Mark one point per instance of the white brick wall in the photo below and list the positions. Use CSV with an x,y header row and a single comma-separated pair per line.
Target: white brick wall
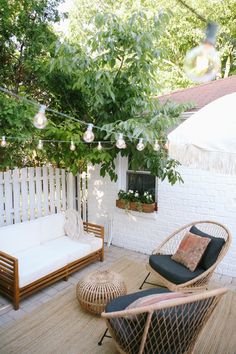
x,y
203,196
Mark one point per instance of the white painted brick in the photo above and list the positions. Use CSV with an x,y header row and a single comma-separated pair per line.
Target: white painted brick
x,y
203,195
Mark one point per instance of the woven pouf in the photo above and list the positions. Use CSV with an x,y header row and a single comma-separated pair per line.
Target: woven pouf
x,y
98,288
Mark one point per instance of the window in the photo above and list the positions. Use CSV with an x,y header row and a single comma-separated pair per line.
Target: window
x,y
142,181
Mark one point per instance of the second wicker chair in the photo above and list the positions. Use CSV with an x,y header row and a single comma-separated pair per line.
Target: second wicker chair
x,y
175,276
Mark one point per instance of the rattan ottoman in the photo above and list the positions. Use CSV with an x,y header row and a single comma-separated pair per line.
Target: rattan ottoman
x,y
98,288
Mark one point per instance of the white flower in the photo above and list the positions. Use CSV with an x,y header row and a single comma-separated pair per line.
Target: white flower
x,y
136,194
145,193
130,191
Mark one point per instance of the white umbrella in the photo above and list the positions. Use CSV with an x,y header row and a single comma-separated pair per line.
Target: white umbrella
x,y
207,140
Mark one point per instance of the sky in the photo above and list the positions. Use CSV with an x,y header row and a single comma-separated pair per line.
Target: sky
x,y
62,26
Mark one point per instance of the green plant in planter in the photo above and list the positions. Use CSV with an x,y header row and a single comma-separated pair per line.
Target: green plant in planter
x,y
135,197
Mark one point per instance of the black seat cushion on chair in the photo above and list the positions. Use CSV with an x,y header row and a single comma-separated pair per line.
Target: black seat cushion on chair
x,y
213,249
171,270
121,302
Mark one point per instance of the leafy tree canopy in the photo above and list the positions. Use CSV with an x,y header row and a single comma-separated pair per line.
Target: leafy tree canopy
x,y
107,73
183,31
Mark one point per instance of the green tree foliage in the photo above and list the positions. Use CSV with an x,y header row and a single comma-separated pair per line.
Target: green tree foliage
x,y
183,31
115,74
108,79
26,42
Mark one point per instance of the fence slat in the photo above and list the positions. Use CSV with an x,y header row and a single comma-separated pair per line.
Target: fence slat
x,y
79,192
70,191
16,195
84,196
31,193
63,189
2,213
45,190
58,190
39,191
24,194
52,190
8,196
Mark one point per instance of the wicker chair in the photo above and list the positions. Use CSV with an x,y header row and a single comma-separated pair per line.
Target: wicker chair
x,y
166,327
197,280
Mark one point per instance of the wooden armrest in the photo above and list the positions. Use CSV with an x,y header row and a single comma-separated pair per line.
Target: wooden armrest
x,y
97,230
7,256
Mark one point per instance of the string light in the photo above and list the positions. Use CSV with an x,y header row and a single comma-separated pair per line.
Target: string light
x,y
40,145
202,63
88,135
3,141
156,146
120,143
72,146
99,147
40,120
140,146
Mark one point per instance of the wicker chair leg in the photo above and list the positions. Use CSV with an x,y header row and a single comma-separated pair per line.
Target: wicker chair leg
x,y
103,336
144,281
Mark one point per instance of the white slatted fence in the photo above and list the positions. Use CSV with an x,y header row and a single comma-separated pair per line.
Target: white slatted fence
x,y
29,193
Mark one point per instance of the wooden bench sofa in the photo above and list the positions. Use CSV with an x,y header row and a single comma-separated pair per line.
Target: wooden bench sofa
x,y
34,254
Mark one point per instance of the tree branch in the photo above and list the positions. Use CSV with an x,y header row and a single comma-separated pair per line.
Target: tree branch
x,y
203,19
121,64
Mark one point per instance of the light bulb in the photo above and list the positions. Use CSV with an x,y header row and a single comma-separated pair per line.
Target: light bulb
x,y
120,143
140,146
156,146
40,145
3,141
88,135
99,147
72,146
202,63
40,120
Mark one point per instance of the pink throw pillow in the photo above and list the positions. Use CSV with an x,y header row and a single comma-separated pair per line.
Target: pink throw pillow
x,y
155,299
191,250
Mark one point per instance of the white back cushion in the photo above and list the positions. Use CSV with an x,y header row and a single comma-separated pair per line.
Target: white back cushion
x,y
51,227
19,237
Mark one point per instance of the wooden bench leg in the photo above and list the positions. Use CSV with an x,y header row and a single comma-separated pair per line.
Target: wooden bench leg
x,y
102,255
16,301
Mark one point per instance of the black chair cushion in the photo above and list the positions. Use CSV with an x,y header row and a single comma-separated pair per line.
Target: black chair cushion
x,y
171,270
121,302
213,249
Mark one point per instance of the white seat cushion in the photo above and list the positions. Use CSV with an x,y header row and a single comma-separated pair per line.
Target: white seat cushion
x,y
37,262
72,249
93,241
19,237
52,227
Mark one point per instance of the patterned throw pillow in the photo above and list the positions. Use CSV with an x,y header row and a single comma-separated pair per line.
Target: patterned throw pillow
x,y
191,250
154,299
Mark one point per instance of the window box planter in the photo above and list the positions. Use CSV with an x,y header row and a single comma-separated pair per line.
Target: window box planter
x,y
135,206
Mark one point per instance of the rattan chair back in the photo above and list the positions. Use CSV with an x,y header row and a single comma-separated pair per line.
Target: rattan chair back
x,y
167,327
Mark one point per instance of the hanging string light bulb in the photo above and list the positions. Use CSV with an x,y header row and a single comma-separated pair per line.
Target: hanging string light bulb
x,y
140,146
120,143
3,141
202,63
99,147
72,146
40,145
88,135
156,146
40,120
